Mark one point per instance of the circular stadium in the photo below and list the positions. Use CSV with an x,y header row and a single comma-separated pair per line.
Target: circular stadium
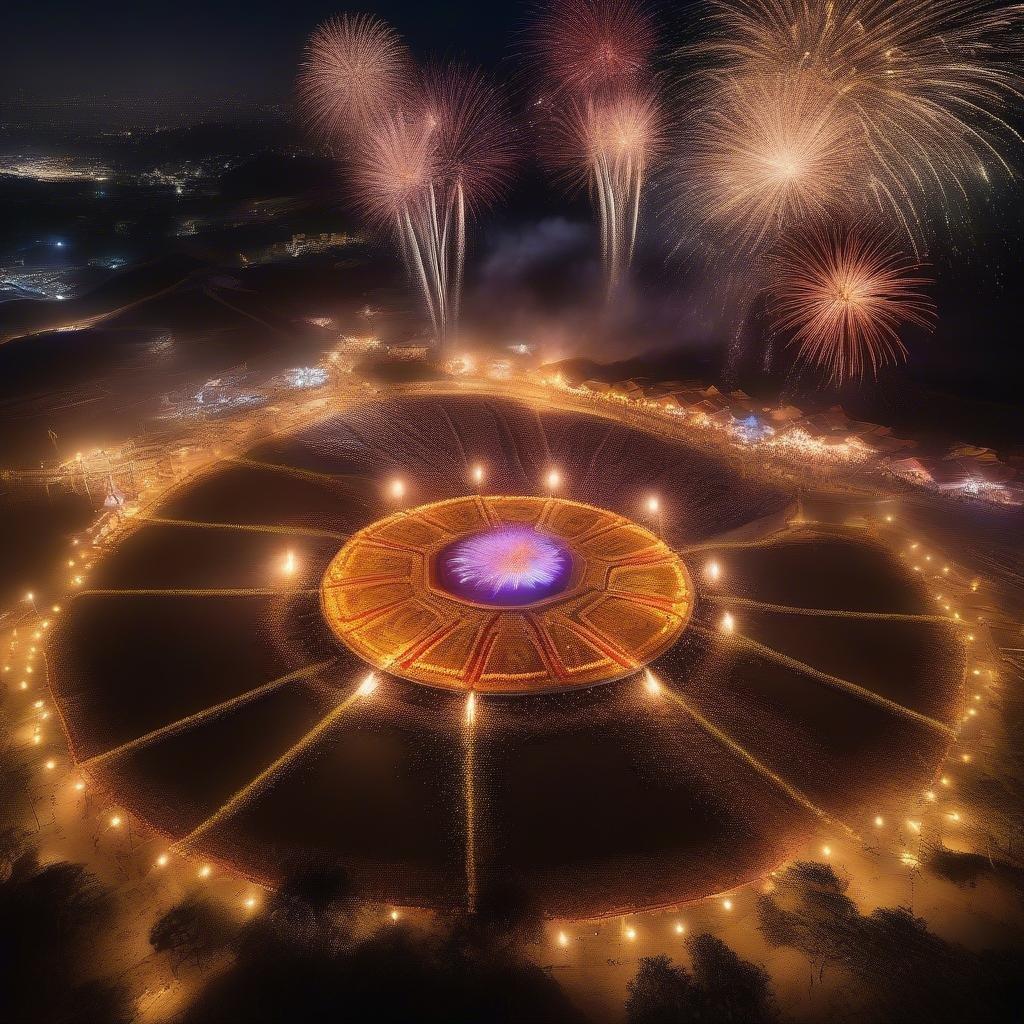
x,y
439,638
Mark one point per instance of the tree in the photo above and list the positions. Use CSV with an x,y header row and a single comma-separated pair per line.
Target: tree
x,y
506,908
317,886
193,929
732,989
395,975
50,920
723,989
905,972
660,993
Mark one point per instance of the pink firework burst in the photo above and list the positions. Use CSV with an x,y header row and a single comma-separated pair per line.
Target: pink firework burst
x,y
354,67
507,564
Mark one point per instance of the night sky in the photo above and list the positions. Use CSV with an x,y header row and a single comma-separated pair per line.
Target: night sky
x,y
208,60
216,47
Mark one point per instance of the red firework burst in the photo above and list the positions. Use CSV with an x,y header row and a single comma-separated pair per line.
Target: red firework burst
x,y
842,294
586,46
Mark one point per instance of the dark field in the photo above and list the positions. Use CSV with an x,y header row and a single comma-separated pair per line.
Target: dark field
x,y
600,800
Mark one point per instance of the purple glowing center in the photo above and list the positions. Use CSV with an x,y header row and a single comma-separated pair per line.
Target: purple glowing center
x,y
506,565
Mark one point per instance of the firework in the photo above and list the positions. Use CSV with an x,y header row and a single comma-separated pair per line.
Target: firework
x,y
923,84
606,125
766,151
474,158
423,152
354,68
607,145
422,168
393,176
586,46
841,294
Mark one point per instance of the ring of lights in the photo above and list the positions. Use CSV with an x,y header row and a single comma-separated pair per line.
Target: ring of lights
x,y
626,600
204,691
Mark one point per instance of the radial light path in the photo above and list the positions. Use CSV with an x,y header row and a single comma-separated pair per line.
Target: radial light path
x,y
836,681
190,721
828,613
759,766
774,540
469,794
302,474
200,592
261,781
288,531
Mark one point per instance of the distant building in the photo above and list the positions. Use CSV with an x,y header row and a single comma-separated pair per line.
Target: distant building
x,y
300,244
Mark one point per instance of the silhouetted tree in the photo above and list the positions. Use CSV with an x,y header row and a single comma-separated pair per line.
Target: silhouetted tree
x,y
731,989
318,886
661,992
195,929
964,869
395,975
723,989
506,908
50,919
906,972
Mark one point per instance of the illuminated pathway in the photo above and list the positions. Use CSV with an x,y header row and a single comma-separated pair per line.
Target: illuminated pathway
x,y
840,684
469,787
200,592
288,531
787,536
656,689
203,716
829,613
302,474
247,792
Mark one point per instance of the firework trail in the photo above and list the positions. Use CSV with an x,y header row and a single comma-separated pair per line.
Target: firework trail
x,y
474,161
607,145
426,150
606,125
841,294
